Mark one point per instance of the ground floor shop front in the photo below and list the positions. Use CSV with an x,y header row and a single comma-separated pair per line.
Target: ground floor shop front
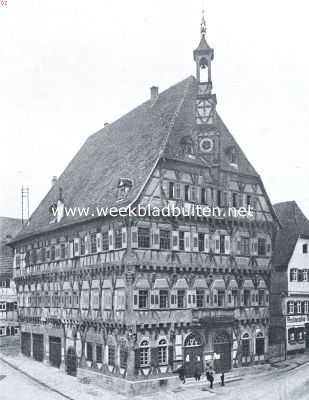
x,y
139,353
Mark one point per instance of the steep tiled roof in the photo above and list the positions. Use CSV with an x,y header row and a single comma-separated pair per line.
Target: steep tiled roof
x,y
9,227
293,225
129,148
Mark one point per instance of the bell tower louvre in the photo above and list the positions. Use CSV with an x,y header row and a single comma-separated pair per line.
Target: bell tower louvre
x,y
138,297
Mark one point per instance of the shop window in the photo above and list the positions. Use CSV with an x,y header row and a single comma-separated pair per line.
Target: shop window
x,y
259,344
144,354
299,333
111,354
144,238
123,355
99,357
291,335
162,353
245,345
89,352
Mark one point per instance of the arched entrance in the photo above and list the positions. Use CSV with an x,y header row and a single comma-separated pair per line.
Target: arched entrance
x,y
222,350
193,354
71,362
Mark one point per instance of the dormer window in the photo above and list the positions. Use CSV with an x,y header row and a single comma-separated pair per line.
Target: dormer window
x,y
232,157
124,187
186,145
52,211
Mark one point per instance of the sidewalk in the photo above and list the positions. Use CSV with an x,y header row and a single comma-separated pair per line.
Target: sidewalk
x,y
57,381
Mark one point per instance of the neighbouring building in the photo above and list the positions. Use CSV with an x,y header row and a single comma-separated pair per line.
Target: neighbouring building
x,y
9,227
290,279
137,297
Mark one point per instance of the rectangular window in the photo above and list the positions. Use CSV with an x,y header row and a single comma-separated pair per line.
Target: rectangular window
x,y
234,200
163,299
201,242
93,242
221,298
290,307
261,247
52,253
144,238
247,297
200,298
203,196
244,246
222,244
82,246
299,307
219,198
305,275
118,238
181,240
177,191
142,298
305,248
194,194
165,239
306,307
62,250
180,298
293,275
171,190
105,241
187,188
261,297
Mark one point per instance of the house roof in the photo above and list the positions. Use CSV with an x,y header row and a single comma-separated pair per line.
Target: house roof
x,y
9,227
129,148
294,224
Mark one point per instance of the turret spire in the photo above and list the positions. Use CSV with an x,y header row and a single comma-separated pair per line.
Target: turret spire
x,y
203,24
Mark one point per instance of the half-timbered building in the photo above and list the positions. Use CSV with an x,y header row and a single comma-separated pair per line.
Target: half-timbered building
x,y
138,297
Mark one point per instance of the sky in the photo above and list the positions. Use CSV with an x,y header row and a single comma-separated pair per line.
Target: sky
x,y
67,67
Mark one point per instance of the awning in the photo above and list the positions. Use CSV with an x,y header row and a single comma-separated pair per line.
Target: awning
x,y
181,284
200,283
161,283
142,284
120,283
248,284
262,284
233,284
218,284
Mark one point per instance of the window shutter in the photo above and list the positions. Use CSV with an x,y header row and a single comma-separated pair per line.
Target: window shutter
x,y
124,238
135,298
291,274
87,244
173,298
227,244
134,237
195,241
175,240
71,249
187,241
99,242
76,247
154,357
137,359
110,239
206,243
155,242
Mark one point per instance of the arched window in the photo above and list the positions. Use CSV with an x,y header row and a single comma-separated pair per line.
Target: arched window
x,y
162,354
193,340
144,353
259,344
245,345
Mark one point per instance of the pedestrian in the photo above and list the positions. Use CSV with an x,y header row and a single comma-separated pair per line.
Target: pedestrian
x,y
181,374
197,373
222,379
208,376
211,379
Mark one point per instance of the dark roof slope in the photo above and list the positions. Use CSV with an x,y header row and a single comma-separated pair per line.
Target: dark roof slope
x,y
128,148
293,225
9,227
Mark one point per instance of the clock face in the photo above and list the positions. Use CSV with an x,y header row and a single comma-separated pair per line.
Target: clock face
x,y
206,145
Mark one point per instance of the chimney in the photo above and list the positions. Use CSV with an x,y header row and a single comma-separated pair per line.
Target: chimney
x,y
54,180
106,124
154,92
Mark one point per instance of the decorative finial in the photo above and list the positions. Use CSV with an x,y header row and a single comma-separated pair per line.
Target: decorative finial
x,y
203,24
